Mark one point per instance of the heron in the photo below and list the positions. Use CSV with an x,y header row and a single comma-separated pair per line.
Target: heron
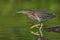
x,y
38,15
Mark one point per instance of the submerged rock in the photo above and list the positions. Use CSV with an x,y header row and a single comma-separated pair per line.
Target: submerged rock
x,y
41,38
53,29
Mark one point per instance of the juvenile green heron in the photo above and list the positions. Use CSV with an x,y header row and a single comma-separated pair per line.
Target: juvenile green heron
x,y
39,15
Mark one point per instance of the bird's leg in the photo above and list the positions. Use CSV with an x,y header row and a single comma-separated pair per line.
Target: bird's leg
x,y
40,29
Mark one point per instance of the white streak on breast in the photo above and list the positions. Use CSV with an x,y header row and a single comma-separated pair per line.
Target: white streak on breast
x,y
37,18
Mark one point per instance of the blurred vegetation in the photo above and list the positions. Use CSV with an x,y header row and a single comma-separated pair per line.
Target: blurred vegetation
x,y
16,27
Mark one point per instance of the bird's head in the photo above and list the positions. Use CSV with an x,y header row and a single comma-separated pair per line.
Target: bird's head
x,y
25,11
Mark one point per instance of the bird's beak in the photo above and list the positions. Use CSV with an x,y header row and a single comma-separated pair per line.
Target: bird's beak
x,y
19,12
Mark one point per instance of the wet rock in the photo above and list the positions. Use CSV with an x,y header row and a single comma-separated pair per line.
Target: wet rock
x,y
41,38
53,29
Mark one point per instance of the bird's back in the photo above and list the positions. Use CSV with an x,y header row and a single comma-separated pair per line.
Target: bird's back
x,y
44,15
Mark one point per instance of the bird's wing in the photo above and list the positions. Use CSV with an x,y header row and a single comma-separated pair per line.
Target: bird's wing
x,y
44,15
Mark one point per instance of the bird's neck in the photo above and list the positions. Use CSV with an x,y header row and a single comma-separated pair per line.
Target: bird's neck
x,y
37,18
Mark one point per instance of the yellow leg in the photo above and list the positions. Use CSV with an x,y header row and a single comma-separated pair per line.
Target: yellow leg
x,y
40,30
35,26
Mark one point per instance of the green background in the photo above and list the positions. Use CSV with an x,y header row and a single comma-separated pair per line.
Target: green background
x,y
15,26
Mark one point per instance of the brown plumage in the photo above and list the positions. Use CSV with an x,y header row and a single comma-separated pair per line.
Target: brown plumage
x,y
39,15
